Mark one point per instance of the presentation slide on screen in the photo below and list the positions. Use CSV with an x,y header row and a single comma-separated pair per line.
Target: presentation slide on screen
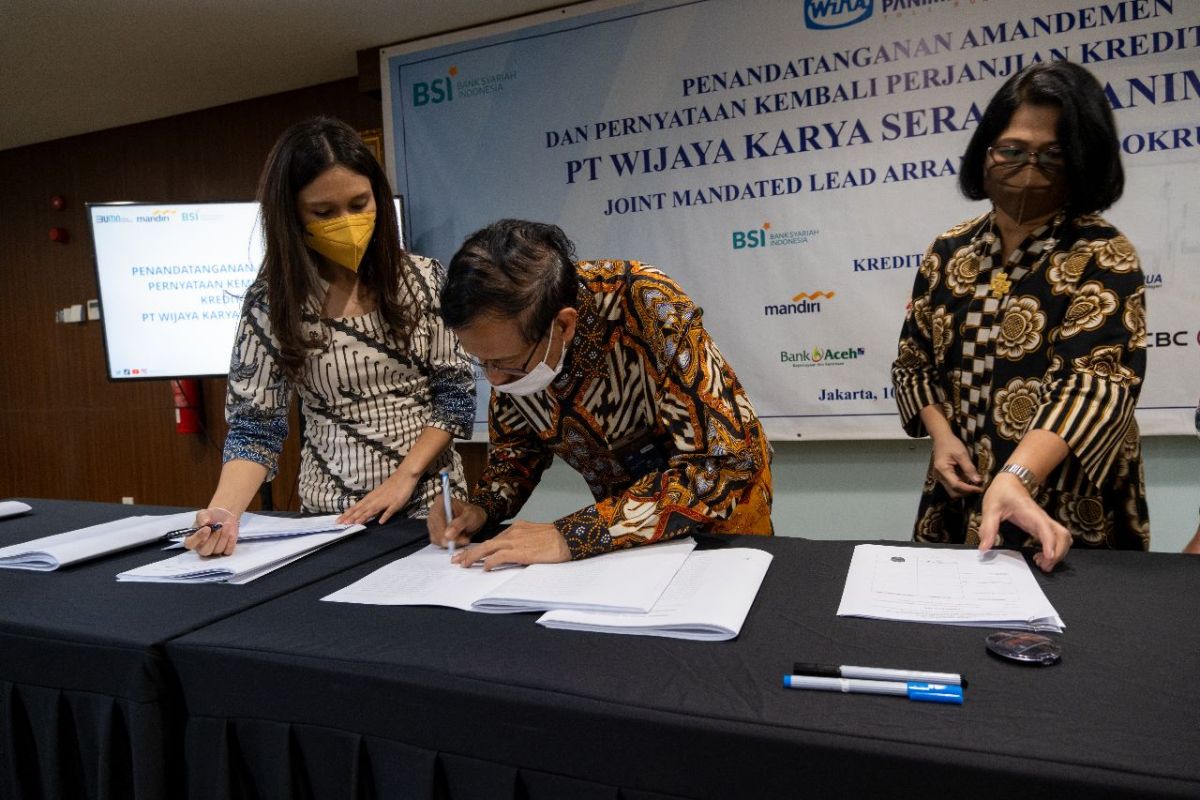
x,y
790,161
172,278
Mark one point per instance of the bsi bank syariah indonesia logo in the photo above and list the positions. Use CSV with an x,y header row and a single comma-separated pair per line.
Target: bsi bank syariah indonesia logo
x,y
454,86
823,15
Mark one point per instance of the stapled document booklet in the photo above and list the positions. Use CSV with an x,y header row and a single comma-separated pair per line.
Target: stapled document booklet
x,y
947,586
62,549
708,600
625,580
250,559
13,508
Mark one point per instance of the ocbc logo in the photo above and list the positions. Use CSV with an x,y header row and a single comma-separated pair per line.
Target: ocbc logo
x,y
1168,339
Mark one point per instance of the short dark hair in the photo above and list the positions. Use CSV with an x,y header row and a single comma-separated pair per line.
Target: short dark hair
x,y
1086,132
513,269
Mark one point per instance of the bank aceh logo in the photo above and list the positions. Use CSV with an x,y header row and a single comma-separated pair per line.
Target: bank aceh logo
x,y
820,356
824,15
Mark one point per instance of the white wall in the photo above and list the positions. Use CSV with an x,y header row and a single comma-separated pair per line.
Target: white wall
x,y
869,490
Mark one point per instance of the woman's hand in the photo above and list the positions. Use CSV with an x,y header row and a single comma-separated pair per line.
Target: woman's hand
x,y
1007,500
952,466
209,542
383,501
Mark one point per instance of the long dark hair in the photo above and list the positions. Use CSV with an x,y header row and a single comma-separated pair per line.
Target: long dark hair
x,y
514,269
1086,132
289,269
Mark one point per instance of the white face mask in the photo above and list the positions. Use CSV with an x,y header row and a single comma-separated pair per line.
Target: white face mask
x,y
537,378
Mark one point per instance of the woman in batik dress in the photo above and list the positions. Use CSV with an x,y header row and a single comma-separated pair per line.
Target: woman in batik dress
x,y
1023,347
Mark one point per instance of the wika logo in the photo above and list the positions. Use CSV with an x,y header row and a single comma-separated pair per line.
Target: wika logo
x,y
824,15
438,90
803,303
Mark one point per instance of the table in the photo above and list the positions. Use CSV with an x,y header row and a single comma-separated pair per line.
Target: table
x,y
335,700
89,705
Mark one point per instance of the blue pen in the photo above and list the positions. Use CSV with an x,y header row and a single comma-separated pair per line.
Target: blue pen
x,y
447,505
923,692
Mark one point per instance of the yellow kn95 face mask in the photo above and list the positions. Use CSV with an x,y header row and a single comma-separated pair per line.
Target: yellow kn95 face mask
x,y
342,240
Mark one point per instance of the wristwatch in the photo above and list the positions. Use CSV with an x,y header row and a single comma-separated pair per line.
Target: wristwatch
x,y
1024,475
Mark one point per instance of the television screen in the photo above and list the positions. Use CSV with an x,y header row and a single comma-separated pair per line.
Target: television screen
x,y
172,278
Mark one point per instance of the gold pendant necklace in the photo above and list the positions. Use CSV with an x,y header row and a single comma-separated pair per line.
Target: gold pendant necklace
x,y
1000,284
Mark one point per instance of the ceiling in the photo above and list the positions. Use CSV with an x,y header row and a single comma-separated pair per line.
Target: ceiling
x,y
74,66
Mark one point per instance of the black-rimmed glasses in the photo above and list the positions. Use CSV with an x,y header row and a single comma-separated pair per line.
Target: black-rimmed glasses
x,y
509,371
1006,155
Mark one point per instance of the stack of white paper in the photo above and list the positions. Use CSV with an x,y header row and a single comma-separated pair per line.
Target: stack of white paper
x,y
708,600
11,508
626,580
655,590
953,587
51,552
251,559
258,528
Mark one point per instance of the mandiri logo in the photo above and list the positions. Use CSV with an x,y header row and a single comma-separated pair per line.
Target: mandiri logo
x,y
823,15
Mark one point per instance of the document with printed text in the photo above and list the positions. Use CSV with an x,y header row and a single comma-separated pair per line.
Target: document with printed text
x,y
947,586
626,580
250,560
708,600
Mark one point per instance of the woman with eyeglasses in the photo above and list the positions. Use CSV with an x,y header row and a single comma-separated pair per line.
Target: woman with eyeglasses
x,y
1024,345
343,318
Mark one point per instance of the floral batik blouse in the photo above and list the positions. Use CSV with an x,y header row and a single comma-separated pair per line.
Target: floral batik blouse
x,y
1053,339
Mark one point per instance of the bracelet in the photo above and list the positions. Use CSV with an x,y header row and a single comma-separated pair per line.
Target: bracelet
x,y
1024,475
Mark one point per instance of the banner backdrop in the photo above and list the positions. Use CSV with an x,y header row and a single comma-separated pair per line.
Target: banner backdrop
x,y
789,162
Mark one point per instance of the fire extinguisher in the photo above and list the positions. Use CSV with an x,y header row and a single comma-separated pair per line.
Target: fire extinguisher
x,y
188,411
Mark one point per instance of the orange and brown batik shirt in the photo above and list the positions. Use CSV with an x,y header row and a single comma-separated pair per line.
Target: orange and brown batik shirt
x,y
647,410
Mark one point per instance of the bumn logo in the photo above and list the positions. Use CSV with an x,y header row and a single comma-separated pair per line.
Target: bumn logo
x,y
823,15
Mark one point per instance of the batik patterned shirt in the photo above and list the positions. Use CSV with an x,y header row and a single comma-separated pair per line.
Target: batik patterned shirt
x,y
1053,339
364,399
647,410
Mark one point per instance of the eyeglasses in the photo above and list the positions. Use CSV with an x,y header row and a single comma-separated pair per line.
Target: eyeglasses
x,y
1050,159
509,371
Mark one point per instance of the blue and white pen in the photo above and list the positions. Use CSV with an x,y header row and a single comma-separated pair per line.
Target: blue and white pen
x,y
876,673
446,504
923,692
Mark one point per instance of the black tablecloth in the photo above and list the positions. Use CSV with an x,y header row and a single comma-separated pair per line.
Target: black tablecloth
x,y
334,700
89,706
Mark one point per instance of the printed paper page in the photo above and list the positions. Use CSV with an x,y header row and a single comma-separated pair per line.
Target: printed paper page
x,y
626,580
425,578
708,599
962,587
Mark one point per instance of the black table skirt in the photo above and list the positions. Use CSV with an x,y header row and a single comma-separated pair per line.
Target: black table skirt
x,y
339,700
89,705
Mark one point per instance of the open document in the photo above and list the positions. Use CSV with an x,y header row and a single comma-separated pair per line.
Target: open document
x,y
51,552
250,560
995,589
707,600
625,580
